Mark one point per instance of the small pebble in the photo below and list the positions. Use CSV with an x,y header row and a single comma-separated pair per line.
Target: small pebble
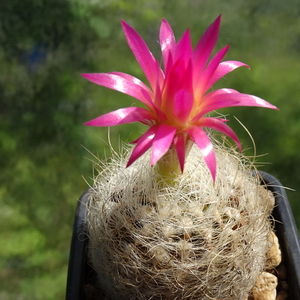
x,y
274,253
265,287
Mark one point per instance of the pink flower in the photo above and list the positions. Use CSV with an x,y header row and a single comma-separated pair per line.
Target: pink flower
x,y
178,98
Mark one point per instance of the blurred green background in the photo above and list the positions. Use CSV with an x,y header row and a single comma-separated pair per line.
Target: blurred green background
x,y
44,47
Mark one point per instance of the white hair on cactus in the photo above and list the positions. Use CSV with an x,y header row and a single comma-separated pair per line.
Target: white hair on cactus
x,y
194,239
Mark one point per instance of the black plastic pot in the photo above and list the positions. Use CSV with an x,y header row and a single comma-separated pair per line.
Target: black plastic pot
x,y
81,276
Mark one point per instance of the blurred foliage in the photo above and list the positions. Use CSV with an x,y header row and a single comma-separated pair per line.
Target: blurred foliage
x,y
47,44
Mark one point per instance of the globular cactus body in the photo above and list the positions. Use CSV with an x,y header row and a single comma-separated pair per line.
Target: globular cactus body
x,y
193,239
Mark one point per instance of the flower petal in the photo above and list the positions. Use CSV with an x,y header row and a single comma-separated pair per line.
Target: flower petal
x,y
236,99
223,69
124,84
179,77
210,70
167,41
162,142
133,80
204,144
218,124
144,143
183,103
228,98
184,48
205,46
142,54
179,142
122,116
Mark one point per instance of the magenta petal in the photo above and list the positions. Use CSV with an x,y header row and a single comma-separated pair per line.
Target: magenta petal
x,y
120,83
161,117
205,46
210,70
142,54
179,143
180,76
183,104
220,92
162,142
223,69
204,144
184,48
144,143
167,41
175,79
228,98
218,124
121,116
133,80
234,99
206,100
169,66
